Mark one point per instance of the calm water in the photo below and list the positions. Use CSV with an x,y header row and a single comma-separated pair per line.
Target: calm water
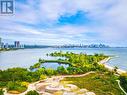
x,y
54,65
27,57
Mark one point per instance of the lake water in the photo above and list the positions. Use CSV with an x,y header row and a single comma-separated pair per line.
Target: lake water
x,y
27,57
54,65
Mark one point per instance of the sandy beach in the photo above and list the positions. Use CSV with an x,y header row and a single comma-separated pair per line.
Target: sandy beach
x,y
119,71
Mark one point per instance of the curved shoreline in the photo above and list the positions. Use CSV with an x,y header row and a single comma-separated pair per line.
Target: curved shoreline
x,y
110,68
32,85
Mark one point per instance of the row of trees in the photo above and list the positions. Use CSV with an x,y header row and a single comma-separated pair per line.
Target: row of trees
x,y
80,58
19,78
81,62
18,74
40,63
7,49
78,63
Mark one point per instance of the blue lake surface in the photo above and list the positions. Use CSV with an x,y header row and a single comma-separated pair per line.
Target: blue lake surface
x,y
27,57
54,65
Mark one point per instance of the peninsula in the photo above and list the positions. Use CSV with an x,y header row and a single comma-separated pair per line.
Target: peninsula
x,y
95,78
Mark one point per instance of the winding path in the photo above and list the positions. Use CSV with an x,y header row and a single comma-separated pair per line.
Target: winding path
x,y
121,87
32,86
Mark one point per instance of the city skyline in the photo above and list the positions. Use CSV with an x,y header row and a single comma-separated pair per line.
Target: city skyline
x,y
5,45
18,45
66,22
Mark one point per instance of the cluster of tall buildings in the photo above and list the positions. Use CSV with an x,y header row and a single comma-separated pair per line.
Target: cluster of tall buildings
x,y
6,45
17,45
83,46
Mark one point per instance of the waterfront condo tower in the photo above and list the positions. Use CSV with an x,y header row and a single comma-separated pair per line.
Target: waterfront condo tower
x,y
17,44
0,43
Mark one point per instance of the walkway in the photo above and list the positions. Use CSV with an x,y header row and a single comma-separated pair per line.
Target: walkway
x,y
121,87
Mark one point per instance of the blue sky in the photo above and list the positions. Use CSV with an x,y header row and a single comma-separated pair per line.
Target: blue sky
x,y
57,22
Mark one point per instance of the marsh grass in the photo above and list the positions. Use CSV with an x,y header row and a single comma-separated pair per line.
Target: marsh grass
x,y
100,83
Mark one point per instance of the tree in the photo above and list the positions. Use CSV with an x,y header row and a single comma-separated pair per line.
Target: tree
x,y
32,93
115,69
50,71
1,92
43,77
61,70
39,60
41,70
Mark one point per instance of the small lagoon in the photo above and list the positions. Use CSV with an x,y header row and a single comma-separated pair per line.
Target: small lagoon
x,y
54,65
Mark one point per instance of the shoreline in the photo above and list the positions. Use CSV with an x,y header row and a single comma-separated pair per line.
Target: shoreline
x,y
50,82
110,68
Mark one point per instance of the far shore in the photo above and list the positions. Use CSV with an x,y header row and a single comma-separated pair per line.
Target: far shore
x,y
110,68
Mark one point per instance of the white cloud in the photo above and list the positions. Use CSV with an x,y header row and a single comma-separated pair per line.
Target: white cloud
x,y
110,17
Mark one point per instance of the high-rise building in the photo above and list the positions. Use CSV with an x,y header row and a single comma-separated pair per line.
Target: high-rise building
x,y
6,45
17,44
0,42
21,46
2,45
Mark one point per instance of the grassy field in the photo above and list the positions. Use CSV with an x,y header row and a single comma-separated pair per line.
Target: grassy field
x,y
99,83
